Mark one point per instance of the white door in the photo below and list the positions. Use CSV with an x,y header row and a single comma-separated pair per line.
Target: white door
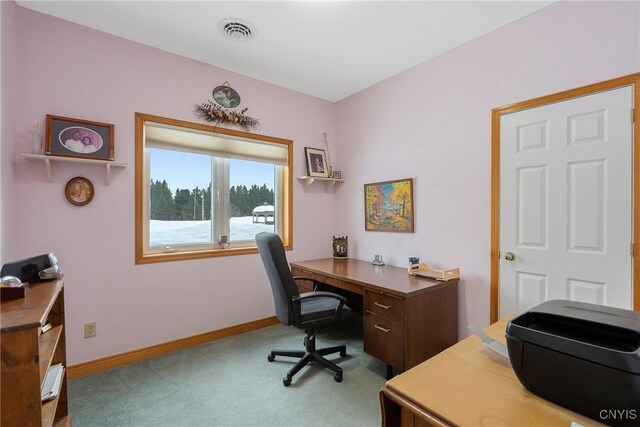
x,y
566,203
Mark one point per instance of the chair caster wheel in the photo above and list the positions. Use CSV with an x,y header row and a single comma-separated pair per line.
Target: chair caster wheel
x,y
343,354
338,378
286,381
271,357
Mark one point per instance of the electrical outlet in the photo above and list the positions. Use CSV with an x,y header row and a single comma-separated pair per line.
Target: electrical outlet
x,y
90,330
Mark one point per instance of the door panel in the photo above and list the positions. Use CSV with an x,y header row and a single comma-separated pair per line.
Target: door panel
x,y
532,207
581,290
531,290
566,202
587,200
587,127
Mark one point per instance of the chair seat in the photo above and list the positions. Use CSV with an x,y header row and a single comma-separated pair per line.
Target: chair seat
x,y
318,308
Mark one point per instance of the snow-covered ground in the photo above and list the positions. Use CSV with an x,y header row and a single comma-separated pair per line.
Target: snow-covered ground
x,y
186,232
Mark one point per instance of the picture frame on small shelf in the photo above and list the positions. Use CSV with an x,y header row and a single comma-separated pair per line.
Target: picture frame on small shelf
x,y
68,137
337,175
316,162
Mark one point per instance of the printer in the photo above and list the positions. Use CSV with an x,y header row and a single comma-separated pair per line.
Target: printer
x,y
34,269
584,357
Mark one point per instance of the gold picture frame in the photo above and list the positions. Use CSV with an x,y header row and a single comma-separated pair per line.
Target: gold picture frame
x,y
389,206
79,191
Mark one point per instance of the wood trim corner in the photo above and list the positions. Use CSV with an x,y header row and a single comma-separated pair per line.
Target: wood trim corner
x,y
495,212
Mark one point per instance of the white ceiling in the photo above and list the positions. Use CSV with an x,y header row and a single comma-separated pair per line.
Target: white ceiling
x,y
328,49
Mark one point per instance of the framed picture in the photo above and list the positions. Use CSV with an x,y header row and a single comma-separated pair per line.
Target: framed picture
x,y
78,138
316,162
337,175
79,191
388,206
226,96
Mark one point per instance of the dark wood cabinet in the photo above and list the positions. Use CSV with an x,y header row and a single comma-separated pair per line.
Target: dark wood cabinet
x,y
27,355
407,319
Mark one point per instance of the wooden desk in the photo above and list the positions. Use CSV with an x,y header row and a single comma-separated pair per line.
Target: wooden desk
x,y
468,385
406,319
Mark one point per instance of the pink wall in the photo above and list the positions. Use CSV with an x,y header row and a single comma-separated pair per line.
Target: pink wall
x,y
8,73
69,70
433,124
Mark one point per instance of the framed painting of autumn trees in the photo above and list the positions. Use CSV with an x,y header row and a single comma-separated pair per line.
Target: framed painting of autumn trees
x,y
388,206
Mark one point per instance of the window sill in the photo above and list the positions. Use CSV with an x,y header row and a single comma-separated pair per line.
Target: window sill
x,y
187,255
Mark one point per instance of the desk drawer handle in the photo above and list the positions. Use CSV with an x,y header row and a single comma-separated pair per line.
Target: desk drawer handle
x,y
386,307
381,328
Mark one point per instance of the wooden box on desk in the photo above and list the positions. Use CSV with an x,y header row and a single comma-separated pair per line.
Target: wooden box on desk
x,y
7,293
423,270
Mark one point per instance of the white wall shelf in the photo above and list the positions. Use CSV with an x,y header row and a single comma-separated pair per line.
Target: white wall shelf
x,y
49,160
328,182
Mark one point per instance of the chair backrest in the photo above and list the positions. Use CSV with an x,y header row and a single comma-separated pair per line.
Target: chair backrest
x,y
283,286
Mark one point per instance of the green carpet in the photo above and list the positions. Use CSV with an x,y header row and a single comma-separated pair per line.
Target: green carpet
x,y
229,382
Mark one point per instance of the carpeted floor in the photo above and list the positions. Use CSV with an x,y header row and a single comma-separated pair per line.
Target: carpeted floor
x,y
229,382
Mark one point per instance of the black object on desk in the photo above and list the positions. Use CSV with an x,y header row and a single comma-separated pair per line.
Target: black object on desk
x,y
35,269
585,357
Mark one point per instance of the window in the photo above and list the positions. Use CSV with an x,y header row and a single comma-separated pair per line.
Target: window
x,y
203,191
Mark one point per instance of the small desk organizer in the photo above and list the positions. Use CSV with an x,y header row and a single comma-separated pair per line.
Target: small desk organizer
x,y
423,270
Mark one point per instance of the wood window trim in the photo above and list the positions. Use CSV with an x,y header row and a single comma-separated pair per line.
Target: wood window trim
x,y
287,188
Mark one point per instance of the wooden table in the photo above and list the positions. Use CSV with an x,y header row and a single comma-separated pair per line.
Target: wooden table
x,y
469,385
407,319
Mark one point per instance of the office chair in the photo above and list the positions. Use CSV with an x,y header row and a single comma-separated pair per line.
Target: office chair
x,y
308,310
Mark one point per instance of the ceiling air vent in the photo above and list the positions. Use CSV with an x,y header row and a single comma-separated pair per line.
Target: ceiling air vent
x,y
236,30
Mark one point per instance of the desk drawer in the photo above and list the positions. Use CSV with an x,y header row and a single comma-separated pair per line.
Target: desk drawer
x,y
384,305
383,339
303,285
342,284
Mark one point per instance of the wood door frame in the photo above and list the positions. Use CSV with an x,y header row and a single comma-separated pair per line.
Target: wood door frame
x,y
496,114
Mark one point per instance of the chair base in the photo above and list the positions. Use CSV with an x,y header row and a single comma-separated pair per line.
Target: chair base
x,y
310,355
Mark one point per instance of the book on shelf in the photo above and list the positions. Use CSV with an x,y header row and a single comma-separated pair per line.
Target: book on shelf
x,y
52,383
46,328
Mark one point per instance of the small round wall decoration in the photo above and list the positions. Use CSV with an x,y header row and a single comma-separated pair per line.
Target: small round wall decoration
x,y
226,96
79,191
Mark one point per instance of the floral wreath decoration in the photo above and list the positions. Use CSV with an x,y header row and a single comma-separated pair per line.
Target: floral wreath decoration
x,y
214,113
